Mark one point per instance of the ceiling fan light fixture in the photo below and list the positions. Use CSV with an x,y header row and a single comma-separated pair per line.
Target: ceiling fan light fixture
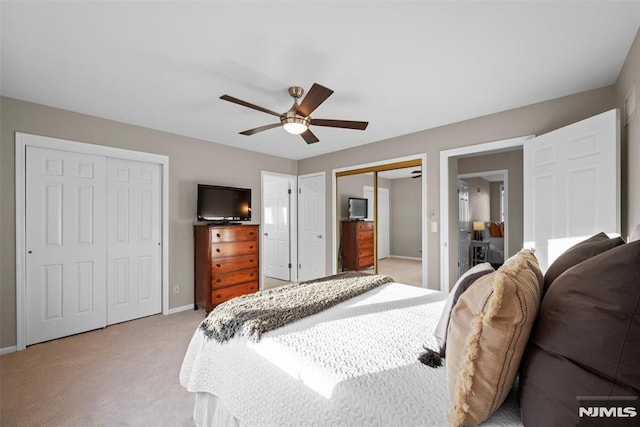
x,y
295,124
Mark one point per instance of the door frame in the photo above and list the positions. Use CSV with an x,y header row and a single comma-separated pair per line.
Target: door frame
x,y
22,140
445,155
293,223
355,169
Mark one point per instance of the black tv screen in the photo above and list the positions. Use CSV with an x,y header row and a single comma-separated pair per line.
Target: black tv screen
x,y
217,203
357,208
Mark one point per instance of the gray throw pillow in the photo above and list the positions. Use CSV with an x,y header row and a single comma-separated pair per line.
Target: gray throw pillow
x,y
463,283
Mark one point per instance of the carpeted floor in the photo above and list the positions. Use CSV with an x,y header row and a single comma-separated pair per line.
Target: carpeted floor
x,y
124,375
402,270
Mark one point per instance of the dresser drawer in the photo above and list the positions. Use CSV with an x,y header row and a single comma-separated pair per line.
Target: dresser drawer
x,y
221,280
365,243
365,235
221,295
364,225
222,265
224,250
364,252
234,234
365,261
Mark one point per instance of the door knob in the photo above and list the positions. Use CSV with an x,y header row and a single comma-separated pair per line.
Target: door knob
x,y
319,236
266,234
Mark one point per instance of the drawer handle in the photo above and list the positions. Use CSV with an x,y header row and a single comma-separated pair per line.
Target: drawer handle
x,y
218,296
251,260
251,274
218,265
217,234
218,281
217,249
251,247
251,233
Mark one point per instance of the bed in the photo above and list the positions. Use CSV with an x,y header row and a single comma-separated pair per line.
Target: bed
x,y
352,364
509,361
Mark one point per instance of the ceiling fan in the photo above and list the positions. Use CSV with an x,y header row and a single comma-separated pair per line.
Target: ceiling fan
x,y
416,173
298,118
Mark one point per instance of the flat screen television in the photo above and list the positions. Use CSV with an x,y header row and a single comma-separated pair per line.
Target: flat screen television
x,y
223,204
357,208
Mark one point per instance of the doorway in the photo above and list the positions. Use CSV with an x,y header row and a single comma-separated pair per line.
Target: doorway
x,y
411,167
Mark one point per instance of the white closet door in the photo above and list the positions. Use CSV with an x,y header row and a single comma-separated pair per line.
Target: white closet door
x,y
311,207
65,243
134,274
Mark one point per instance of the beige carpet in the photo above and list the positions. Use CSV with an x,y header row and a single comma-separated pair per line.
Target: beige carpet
x,y
124,375
407,271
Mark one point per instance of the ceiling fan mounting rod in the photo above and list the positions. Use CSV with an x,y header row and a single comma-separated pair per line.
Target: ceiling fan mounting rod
x,y
296,91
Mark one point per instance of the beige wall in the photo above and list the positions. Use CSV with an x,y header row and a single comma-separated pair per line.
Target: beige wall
x,y
191,161
630,76
405,213
533,119
479,198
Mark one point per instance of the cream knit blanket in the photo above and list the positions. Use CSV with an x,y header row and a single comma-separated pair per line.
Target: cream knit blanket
x,y
254,314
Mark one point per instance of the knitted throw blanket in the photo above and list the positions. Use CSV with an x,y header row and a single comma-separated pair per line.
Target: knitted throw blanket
x,y
254,314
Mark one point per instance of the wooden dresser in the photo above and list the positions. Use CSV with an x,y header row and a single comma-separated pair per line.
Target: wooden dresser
x,y
226,263
357,244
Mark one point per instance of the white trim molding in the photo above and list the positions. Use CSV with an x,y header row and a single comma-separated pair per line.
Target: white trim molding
x,y
22,141
180,309
7,350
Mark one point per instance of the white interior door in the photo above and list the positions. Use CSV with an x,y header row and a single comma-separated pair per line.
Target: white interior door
x,y
311,224
65,241
134,240
571,185
276,226
383,218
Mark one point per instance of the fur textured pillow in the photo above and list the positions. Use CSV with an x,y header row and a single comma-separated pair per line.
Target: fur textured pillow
x,y
488,332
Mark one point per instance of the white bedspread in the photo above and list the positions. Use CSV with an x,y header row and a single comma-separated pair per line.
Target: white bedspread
x,y
354,364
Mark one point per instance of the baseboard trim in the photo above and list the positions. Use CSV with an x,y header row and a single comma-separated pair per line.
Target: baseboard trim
x,y
179,309
8,350
406,257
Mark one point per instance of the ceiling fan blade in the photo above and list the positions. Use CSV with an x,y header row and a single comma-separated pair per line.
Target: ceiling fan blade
x,y
248,105
417,176
309,137
416,171
345,124
260,129
316,96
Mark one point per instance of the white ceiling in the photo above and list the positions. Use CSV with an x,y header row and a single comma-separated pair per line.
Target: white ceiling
x,y
402,66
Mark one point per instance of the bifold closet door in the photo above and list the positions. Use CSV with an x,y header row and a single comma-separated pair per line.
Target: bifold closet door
x,y
65,243
134,270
